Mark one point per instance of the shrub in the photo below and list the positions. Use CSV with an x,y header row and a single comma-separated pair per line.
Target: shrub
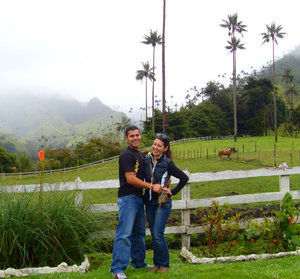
x,y
286,228
224,236
218,226
32,234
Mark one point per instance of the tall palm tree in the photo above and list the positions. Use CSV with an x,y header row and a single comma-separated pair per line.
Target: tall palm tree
x,y
211,90
153,39
164,70
146,73
123,125
273,32
234,26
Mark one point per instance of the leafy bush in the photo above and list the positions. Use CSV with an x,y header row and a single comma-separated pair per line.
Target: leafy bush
x,y
285,227
218,227
35,234
224,236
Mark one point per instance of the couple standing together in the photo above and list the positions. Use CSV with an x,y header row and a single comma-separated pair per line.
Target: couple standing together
x,y
135,174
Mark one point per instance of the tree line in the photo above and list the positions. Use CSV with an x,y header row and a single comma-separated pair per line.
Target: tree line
x,y
209,111
83,153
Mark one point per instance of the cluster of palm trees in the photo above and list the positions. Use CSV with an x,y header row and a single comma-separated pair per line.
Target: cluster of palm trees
x,y
148,72
234,26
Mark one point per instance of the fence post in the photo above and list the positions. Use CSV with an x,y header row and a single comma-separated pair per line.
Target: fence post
x,y
284,183
185,217
274,154
79,193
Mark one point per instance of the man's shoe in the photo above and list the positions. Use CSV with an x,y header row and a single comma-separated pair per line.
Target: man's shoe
x,y
153,269
163,269
121,275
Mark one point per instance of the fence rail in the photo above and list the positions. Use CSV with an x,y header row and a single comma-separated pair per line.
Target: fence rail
x,y
186,204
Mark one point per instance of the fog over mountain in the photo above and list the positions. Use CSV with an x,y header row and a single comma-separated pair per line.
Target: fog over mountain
x,y
32,117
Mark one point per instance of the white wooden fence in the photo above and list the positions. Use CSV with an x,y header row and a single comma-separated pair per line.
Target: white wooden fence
x,y
185,204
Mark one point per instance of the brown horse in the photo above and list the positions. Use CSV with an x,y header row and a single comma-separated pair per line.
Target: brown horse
x,y
227,152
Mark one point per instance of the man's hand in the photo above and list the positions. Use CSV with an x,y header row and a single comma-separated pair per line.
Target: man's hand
x,y
157,188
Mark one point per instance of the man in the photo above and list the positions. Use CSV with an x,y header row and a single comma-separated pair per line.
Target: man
x,y
130,233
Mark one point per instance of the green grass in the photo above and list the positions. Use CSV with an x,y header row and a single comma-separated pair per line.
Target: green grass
x,y
245,159
48,231
287,267
240,161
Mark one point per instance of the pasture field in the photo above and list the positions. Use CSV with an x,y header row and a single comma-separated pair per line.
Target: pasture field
x,y
253,152
186,156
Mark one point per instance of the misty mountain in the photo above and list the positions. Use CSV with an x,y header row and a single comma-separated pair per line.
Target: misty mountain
x,y
290,60
60,121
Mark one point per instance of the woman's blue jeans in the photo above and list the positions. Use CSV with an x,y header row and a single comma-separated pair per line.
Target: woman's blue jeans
x,y
130,235
157,218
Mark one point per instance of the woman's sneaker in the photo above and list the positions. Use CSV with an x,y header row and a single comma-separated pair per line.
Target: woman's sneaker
x,y
119,275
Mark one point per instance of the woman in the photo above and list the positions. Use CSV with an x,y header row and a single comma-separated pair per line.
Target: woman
x,y
158,168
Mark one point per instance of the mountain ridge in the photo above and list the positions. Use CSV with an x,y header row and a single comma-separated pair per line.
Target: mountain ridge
x,y
62,122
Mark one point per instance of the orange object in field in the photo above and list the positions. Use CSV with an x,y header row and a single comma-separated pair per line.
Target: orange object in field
x,y
41,155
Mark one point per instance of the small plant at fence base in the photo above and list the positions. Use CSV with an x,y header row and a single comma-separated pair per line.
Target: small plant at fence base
x,y
35,236
223,234
286,228
218,227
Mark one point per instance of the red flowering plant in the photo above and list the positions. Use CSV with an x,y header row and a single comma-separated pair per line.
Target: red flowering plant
x,y
220,225
224,234
286,229
41,157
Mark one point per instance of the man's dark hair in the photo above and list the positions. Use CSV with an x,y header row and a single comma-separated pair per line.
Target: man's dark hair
x,y
131,128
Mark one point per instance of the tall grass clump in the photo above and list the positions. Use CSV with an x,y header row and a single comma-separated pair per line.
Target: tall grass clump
x,y
32,234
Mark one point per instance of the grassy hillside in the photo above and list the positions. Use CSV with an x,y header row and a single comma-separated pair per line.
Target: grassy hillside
x,y
12,143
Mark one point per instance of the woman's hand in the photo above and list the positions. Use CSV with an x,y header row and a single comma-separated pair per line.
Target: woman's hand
x,y
167,191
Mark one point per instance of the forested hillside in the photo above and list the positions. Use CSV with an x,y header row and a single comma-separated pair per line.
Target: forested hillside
x,y
60,122
289,61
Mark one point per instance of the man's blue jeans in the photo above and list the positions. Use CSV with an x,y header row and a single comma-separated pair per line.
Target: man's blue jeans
x,y
130,235
157,218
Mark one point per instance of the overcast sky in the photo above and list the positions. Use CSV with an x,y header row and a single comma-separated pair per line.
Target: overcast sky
x,y
85,48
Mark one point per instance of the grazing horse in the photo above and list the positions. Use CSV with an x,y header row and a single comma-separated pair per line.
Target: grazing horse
x,y
227,152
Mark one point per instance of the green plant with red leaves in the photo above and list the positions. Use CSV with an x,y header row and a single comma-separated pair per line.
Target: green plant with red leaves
x,y
219,226
286,229
223,234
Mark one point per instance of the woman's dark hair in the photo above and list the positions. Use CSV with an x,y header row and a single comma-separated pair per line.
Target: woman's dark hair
x,y
166,142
